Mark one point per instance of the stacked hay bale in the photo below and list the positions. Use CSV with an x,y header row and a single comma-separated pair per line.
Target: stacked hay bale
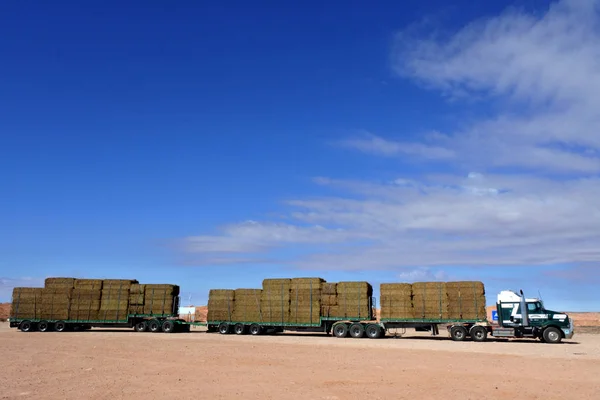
x,y
246,307
430,300
329,299
220,305
26,303
353,300
85,300
56,298
161,299
275,300
114,304
136,298
396,301
466,300
305,300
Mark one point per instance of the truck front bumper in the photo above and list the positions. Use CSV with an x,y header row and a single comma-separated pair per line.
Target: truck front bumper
x,y
569,332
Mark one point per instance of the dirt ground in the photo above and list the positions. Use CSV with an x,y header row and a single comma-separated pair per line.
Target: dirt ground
x,y
102,364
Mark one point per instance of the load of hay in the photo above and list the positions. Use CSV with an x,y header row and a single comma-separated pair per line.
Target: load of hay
x,y
114,303
352,300
305,300
85,304
220,305
161,299
26,303
246,307
466,300
275,300
433,301
396,301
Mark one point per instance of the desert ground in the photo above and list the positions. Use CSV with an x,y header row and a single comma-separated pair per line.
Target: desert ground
x,y
105,364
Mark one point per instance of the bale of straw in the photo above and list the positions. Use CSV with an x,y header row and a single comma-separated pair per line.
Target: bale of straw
x,y
329,289
89,284
166,289
137,288
59,283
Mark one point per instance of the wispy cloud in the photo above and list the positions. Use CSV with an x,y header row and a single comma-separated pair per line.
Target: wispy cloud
x,y
527,189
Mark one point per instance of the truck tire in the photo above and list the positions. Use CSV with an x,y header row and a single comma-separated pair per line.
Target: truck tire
x,y
141,326
458,333
60,326
154,326
373,331
552,335
168,326
479,333
255,329
26,326
223,328
239,329
43,326
340,330
357,330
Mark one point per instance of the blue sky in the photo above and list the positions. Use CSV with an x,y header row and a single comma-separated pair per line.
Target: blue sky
x,y
213,145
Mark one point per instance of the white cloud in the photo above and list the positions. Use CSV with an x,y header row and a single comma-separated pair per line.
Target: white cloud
x,y
543,72
8,284
373,144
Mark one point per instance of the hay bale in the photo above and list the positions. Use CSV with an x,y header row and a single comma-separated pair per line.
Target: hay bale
x,y
136,299
272,283
165,306
59,283
84,315
475,287
113,315
118,283
166,289
89,284
329,288
221,294
395,289
329,300
137,288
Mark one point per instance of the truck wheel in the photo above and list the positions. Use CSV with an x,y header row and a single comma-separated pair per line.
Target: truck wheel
x,y
154,326
223,328
239,329
255,329
60,326
552,335
357,330
373,331
479,334
43,326
168,326
141,326
458,333
26,326
340,330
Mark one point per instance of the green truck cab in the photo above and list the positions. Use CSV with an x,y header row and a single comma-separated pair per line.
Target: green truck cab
x,y
519,316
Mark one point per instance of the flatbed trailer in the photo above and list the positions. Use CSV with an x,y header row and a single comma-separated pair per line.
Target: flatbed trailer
x,y
140,323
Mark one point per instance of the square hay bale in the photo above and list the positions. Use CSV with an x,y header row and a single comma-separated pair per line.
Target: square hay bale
x,y
474,287
221,294
137,288
118,283
329,300
284,283
400,289
351,287
164,289
89,284
136,299
113,315
167,306
59,283
329,289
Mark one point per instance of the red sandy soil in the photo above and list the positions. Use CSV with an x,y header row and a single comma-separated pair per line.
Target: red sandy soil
x,y
4,311
111,364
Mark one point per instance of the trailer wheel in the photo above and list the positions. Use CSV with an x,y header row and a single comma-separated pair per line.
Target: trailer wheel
x,y
141,326
340,330
357,330
168,326
60,326
552,335
255,329
239,329
458,333
26,326
373,331
154,326
479,333
43,326
223,328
